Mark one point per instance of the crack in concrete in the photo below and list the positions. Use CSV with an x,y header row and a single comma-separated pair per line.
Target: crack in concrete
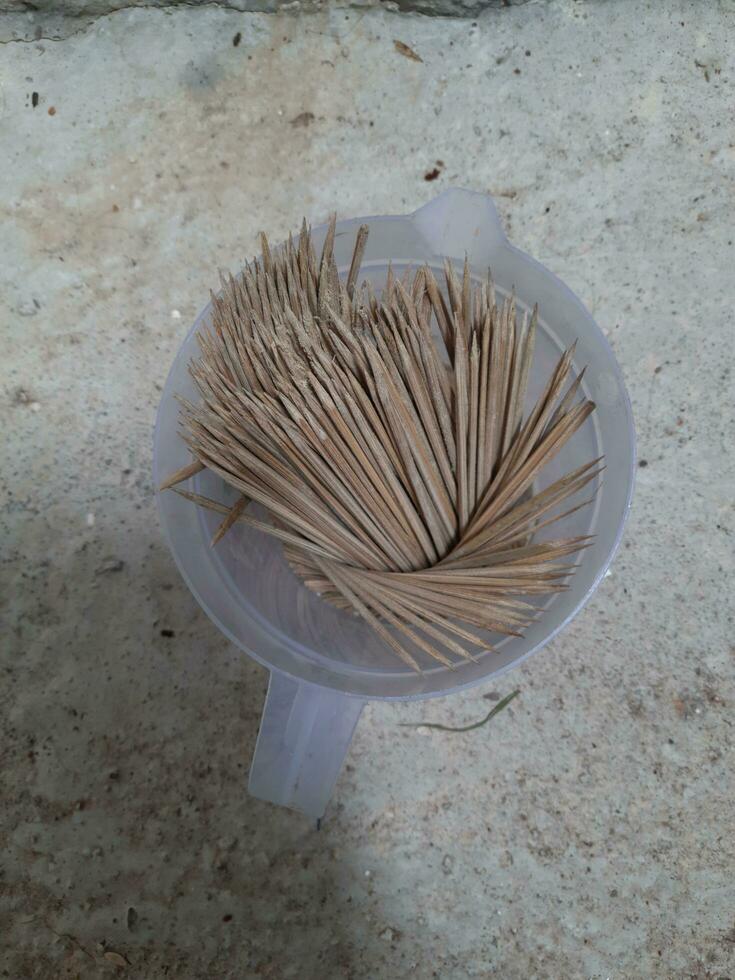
x,y
49,37
91,19
397,6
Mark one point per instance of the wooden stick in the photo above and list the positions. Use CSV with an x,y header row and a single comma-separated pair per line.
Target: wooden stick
x,y
191,469
235,511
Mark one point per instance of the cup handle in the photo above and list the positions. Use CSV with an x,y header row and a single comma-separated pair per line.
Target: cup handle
x,y
304,735
459,223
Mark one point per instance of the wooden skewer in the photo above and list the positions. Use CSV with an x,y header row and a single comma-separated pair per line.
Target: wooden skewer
x,y
231,518
191,469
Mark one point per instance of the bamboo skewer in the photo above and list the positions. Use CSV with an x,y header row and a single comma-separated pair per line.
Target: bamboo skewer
x,y
395,462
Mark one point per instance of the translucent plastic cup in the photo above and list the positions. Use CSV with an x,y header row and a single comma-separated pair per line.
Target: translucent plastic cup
x,y
325,663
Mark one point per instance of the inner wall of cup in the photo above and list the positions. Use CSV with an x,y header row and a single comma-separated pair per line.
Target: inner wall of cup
x,y
252,564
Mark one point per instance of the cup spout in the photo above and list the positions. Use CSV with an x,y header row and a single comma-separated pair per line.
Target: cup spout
x,y
459,223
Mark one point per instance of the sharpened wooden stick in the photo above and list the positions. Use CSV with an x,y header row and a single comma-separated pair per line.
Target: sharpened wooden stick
x,y
461,422
191,469
235,511
332,571
360,243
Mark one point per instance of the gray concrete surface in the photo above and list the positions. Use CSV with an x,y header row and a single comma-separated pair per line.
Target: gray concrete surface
x,y
588,832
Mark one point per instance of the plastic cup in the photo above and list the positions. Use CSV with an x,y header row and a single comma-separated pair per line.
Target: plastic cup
x,y
325,663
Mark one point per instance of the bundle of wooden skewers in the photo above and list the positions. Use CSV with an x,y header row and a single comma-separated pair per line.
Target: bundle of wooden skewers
x,y
386,438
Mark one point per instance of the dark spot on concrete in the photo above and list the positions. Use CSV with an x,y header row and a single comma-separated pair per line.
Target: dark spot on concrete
x,y
227,918
167,633
111,566
432,174
201,77
687,705
21,397
643,463
636,704
528,54
713,696
236,39
113,774
516,71
34,99
303,120
131,918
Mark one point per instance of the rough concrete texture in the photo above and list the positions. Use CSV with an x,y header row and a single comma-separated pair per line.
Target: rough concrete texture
x,y
588,831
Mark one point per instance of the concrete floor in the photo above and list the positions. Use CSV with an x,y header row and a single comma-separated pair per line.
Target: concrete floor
x,y
588,832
